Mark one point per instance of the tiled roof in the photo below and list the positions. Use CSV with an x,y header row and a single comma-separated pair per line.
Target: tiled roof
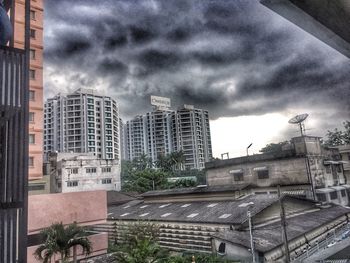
x,y
269,236
216,212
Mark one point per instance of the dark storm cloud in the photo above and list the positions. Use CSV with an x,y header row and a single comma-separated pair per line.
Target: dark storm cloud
x,y
230,57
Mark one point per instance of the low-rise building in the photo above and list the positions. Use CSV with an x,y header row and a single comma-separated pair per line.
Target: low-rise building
x,y
72,172
210,220
344,151
304,166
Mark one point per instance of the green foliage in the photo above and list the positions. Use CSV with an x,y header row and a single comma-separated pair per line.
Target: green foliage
x,y
141,175
338,137
146,180
138,244
199,258
59,239
273,147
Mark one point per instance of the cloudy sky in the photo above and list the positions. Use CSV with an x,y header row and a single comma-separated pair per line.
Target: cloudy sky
x,y
251,69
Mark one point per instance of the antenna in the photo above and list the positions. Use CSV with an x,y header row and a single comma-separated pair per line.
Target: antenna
x,y
299,119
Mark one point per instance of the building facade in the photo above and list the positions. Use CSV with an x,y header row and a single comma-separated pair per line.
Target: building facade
x,y
164,131
73,172
35,79
304,164
82,122
216,222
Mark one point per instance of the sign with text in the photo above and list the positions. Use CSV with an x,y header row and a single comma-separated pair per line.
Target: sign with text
x,y
160,101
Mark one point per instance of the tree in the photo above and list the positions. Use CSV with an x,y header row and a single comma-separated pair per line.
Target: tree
x,y
138,244
338,137
146,180
273,147
60,240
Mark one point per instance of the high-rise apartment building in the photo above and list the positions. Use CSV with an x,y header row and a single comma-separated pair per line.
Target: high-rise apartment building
x,y
164,131
82,122
35,79
191,135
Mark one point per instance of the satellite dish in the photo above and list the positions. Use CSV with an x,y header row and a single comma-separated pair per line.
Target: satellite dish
x,y
299,118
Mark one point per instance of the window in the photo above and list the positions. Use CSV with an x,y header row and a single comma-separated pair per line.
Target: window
x,y
91,170
32,33
32,53
31,161
72,183
31,116
107,181
32,95
192,215
328,169
263,174
106,169
166,215
74,170
32,74
343,193
31,138
339,168
222,248
321,197
32,15
238,176
333,195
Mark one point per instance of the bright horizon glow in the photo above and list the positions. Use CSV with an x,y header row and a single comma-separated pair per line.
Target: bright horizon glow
x,y
234,134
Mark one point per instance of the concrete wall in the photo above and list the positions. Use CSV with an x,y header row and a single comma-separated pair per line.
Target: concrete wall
x,y
234,251
284,172
86,208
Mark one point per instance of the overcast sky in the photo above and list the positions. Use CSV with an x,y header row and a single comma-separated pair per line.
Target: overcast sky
x,y
250,68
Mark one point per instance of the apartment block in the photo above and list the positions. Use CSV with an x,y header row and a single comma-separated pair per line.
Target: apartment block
x,y
82,122
80,172
164,131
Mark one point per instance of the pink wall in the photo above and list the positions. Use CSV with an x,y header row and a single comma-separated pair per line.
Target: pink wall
x,y
86,208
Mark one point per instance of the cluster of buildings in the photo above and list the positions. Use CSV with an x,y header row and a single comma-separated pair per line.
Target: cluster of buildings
x,y
77,141
164,131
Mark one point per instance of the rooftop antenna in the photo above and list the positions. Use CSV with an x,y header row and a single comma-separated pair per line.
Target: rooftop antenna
x,y
299,119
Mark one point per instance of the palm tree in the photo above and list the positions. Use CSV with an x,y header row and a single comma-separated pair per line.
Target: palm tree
x,y
60,240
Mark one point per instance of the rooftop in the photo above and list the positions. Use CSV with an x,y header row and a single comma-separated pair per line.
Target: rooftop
x,y
216,212
251,159
196,190
266,240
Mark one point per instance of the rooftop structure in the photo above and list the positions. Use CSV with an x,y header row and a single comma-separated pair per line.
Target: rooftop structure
x,y
291,167
202,225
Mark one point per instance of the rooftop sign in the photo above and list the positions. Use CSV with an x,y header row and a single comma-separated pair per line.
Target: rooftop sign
x,y
160,101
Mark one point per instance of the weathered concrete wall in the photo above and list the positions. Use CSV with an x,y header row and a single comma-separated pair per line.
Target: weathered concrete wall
x,y
86,208
285,172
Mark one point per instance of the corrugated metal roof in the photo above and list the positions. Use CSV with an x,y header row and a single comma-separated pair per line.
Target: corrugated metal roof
x,y
206,210
269,236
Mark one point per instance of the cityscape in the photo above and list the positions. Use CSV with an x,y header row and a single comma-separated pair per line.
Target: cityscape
x,y
180,131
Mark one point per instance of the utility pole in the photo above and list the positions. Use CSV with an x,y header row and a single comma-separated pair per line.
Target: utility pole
x,y
284,230
251,234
